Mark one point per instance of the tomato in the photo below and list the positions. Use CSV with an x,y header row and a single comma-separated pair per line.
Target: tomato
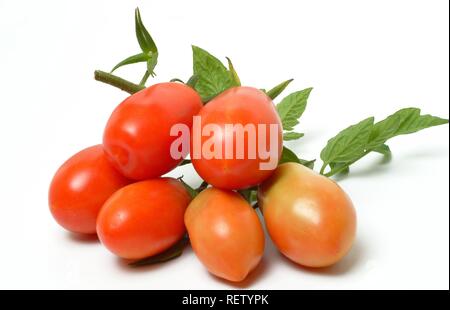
x,y
237,106
137,136
143,218
80,187
225,233
309,217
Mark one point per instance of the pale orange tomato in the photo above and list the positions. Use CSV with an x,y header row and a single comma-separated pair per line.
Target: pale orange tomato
x,y
309,217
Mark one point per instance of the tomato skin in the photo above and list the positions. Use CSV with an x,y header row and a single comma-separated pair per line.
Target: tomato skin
x,y
225,233
143,218
137,136
80,187
238,105
309,217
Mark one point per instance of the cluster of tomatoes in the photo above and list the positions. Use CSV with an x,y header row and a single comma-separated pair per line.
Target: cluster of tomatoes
x,y
116,190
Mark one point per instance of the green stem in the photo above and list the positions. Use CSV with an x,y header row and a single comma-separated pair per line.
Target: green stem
x,y
144,78
116,81
322,170
177,80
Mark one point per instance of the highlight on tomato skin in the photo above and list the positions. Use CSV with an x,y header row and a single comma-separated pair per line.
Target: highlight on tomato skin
x,y
80,187
144,218
225,233
137,136
310,219
237,106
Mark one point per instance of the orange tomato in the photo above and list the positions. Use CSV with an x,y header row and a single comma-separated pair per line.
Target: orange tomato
x,y
144,218
225,233
80,187
309,217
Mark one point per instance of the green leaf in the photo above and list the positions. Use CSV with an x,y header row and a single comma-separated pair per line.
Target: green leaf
x,y
348,144
192,81
338,166
287,136
358,140
143,36
274,92
384,150
288,156
402,122
414,124
234,75
291,108
141,57
213,77
307,163
173,252
151,64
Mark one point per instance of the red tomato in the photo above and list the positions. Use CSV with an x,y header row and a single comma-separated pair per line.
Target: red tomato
x,y
80,187
225,233
144,218
137,135
237,106
309,217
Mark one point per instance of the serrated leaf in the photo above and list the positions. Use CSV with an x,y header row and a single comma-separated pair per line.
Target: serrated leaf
x,y
291,135
173,252
234,75
143,36
349,144
402,122
213,77
291,108
420,123
141,57
353,143
274,92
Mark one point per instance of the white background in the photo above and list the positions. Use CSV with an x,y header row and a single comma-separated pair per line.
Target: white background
x,y
362,57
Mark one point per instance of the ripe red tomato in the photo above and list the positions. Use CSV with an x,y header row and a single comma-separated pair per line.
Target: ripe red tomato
x,y
80,187
143,218
237,106
137,135
225,233
309,217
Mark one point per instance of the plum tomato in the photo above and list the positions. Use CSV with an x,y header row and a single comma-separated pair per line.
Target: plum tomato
x,y
309,217
137,136
144,218
239,106
225,233
80,187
